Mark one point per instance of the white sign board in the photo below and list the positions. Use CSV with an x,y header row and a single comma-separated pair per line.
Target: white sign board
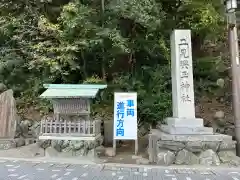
x,y
125,116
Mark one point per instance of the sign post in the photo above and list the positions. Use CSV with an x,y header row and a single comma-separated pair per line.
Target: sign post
x,y
125,118
232,12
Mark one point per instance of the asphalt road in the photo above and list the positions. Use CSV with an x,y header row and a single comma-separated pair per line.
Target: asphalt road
x,y
25,170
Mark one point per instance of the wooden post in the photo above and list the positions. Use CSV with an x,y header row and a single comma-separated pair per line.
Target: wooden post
x,y
65,126
89,122
41,127
150,148
79,126
136,146
69,127
45,125
114,147
57,122
50,128
75,126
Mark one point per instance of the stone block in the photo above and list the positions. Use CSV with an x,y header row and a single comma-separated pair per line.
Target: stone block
x,y
186,130
170,145
205,147
185,157
199,137
183,122
165,158
209,157
77,145
229,157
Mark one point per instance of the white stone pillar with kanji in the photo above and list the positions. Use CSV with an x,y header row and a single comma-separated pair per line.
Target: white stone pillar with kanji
x,y
183,120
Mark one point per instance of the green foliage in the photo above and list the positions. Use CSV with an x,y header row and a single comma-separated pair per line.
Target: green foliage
x,y
124,43
154,92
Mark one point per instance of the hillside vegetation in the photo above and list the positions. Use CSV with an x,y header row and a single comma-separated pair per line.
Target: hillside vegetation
x,y
124,43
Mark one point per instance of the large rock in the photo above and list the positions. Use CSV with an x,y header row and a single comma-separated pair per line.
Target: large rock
x,y
60,145
185,157
77,145
56,145
35,129
23,128
81,152
209,157
8,115
229,157
165,158
67,149
65,144
20,142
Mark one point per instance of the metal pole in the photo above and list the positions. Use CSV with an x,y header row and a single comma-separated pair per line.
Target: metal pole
x,y
234,54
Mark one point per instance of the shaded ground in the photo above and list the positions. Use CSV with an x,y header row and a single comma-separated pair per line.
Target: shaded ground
x,y
126,153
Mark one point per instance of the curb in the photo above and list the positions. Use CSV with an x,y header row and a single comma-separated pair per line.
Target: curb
x,y
50,160
101,162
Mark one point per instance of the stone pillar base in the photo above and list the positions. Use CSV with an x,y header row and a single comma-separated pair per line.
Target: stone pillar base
x,y
184,122
180,126
202,149
185,130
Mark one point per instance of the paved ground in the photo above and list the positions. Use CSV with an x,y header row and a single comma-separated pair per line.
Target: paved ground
x,y
25,170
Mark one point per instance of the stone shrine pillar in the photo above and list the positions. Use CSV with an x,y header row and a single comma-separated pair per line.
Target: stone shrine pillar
x,y
184,140
8,120
183,120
